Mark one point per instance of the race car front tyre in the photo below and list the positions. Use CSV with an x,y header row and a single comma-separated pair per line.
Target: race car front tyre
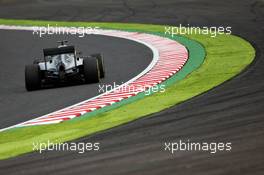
x,y
100,60
32,77
91,71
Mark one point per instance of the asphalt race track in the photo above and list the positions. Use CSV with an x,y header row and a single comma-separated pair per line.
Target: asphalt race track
x,y
17,105
232,112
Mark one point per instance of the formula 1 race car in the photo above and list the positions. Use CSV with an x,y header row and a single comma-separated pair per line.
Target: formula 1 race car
x,y
62,65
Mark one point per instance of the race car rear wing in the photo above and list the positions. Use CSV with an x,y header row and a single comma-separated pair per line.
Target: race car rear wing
x,y
57,51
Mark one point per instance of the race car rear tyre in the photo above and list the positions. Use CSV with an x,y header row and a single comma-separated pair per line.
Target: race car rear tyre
x,y
32,77
100,60
91,71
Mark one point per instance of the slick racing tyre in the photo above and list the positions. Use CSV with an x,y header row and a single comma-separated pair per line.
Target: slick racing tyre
x,y
91,71
32,77
100,60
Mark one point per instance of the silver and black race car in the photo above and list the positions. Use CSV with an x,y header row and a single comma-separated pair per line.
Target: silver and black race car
x,y
63,65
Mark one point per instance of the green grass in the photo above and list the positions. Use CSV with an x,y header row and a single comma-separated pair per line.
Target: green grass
x,y
226,56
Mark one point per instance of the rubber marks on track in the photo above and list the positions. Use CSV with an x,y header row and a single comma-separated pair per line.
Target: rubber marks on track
x,y
169,57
